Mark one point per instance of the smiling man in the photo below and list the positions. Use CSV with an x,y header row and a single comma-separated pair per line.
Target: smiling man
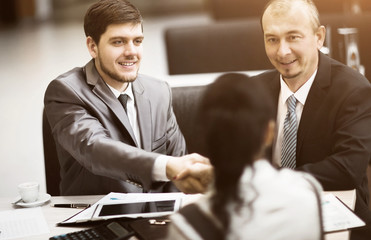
x,y
323,107
114,128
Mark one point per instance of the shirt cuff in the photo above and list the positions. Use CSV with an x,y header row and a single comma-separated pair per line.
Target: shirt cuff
x,y
159,168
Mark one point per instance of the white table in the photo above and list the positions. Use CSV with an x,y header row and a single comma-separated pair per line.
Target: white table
x,y
199,79
54,215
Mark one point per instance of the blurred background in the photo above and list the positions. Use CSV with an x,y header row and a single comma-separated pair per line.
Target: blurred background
x,y
41,39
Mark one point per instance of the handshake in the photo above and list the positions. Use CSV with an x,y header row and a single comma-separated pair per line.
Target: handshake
x,y
190,173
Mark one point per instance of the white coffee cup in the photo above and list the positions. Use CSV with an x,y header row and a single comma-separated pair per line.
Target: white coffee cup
x,y
29,191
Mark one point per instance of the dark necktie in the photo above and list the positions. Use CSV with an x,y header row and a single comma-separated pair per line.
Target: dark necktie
x,y
123,98
288,154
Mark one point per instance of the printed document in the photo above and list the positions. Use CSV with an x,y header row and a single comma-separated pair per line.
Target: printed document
x,y
22,223
337,216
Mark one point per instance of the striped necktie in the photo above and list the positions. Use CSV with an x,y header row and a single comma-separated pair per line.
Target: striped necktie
x,y
290,128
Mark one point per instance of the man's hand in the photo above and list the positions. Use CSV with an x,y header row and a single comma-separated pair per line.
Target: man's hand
x,y
202,172
190,173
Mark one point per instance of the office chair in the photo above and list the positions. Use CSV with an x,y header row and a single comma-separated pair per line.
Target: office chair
x,y
185,103
216,47
50,159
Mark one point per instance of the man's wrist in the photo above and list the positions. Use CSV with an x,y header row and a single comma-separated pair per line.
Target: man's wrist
x,y
159,168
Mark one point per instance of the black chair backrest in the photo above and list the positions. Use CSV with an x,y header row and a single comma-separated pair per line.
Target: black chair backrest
x,y
50,159
185,104
217,47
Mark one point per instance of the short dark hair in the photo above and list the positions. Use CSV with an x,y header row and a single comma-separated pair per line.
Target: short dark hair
x,y
106,12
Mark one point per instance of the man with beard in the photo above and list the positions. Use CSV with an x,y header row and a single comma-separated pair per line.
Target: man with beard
x,y
115,129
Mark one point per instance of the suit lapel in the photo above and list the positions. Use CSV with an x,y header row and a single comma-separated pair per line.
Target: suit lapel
x,y
314,100
144,114
102,91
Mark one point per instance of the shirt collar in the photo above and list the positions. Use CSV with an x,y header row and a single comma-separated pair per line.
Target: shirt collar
x,y
301,94
128,91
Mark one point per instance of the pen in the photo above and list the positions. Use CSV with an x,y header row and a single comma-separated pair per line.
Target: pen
x,y
72,205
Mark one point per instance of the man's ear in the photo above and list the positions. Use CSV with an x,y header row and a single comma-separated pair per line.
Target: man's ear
x,y
92,47
320,34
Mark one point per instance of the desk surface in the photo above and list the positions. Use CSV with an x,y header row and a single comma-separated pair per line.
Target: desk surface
x,y
185,80
54,215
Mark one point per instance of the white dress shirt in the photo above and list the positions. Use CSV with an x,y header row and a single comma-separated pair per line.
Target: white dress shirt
x,y
159,168
301,96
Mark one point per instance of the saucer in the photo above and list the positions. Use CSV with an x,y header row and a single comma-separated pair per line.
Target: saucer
x,y
43,198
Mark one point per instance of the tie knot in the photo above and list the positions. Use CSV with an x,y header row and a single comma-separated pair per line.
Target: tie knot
x,y
291,103
123,98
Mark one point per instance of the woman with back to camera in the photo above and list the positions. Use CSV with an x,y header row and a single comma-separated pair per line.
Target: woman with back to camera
x,y
249,198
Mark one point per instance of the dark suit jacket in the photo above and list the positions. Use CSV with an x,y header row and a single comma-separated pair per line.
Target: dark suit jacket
x,y
96,147
334,134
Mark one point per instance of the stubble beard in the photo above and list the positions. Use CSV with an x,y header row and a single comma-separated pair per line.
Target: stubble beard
x,y
116,77
286,75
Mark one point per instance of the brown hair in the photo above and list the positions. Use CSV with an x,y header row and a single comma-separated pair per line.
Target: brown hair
x,y
233,114
106,12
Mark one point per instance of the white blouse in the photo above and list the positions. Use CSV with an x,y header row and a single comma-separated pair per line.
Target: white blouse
x,y
284,206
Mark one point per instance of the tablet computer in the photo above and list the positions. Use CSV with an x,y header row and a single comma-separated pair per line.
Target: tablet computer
x,y
148,208
130,205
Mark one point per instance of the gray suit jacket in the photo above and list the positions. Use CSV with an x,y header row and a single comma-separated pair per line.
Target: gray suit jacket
x,y
96,146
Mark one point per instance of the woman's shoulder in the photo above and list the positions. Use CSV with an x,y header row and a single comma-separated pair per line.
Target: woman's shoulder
x,y
286,186
266,173
279,198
